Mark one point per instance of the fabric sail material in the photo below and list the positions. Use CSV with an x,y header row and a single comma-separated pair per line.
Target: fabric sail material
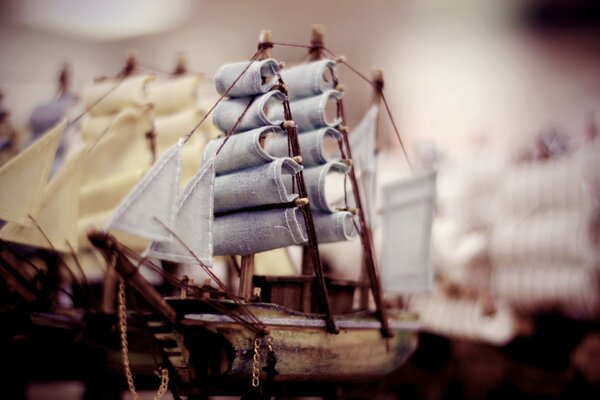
x,y
24,178
408,213
252,176
149,209
193,223
58,214
362,144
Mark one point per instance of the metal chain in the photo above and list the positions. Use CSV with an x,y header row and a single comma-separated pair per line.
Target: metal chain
x,y
256,363
256,359
164,373
164,384
124,343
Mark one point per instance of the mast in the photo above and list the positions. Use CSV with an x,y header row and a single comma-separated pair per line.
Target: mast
x,y
266,45
247,264
378,84
365,235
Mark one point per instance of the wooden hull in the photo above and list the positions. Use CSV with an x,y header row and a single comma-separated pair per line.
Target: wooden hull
x,y
212,348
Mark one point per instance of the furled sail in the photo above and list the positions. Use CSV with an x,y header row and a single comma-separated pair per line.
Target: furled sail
x,y
193,223
149,210
24,178
253,175
260,77
317,147
321,75
408,214
56,222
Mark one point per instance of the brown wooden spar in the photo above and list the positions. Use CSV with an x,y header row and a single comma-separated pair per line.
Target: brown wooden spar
x,y
365,235
116,259
315,258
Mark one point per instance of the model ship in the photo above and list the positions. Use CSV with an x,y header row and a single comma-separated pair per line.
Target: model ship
x,y
262,186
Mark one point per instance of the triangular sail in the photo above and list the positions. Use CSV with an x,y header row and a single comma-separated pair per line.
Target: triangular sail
x,y
57,220
362,144
193,223
24,178
151,204
407,220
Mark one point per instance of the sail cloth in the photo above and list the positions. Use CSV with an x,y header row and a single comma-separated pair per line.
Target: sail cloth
x,y
245,233
317,147
242,150
334,227
149,210
24,178
254,109
256,186
193,223
309,79
362,144
408,213
129,92
311,113
318,180
173,95
58,214
259,78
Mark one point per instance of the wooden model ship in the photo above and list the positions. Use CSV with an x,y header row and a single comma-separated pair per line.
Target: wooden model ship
x,y
262,187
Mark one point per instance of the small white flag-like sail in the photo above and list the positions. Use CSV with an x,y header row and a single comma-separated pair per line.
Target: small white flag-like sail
x,y
407,221
57,219
193,223
362,144
24,178
152,202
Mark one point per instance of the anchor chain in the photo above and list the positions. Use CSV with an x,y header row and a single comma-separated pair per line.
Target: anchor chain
x,y
164,373
271,361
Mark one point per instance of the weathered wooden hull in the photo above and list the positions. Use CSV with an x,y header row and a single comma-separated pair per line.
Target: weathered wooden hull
x,y
214,348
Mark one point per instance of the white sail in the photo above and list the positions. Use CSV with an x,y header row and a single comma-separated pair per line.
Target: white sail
x,y
58,214
193,223
408,214
24,178
362,144
151,204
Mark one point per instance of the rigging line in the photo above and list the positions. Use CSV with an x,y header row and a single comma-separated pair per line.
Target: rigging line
x,y
289,44
254,57
213,276
60,257
95,103
237,122
149,264
387,108
19,255
86,282
169,74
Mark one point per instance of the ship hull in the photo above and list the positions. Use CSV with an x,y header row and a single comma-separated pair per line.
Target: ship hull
x,y
213,349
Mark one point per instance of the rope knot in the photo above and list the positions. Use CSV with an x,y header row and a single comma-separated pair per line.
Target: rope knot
x,y
262,46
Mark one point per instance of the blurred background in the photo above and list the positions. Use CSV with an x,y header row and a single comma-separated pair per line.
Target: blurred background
x,y
501,97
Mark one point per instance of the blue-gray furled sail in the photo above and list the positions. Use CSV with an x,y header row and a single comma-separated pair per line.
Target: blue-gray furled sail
x,y
253,168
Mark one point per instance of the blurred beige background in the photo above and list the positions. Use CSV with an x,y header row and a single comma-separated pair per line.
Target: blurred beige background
x,y
453,69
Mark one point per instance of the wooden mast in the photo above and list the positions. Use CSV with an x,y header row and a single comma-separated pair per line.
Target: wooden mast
x,y
247,264
378,83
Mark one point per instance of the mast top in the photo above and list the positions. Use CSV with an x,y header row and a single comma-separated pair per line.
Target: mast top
x,y
316,41
265,43
181,65
131,63
378,84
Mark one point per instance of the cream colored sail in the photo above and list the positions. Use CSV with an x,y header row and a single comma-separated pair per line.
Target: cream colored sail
x,y
24,178
56,222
